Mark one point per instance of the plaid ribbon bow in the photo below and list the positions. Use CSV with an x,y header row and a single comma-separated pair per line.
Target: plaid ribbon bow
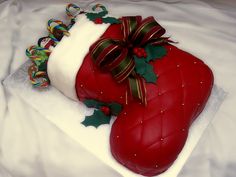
x,y
116,56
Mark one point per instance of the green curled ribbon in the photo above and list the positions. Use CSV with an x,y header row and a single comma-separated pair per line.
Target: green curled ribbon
x,y
116,56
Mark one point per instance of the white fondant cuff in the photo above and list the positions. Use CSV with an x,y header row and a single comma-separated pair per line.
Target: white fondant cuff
x,y
67,57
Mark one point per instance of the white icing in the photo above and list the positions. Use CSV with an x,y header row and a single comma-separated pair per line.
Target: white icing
x,y
67,57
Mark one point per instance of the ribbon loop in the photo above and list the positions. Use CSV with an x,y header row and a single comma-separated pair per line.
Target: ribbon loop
x,y
116,56
148,30
129,25
124,65
103,49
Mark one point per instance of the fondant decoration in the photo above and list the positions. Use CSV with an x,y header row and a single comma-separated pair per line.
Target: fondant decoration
x,y
150,138
39,54
139,52
106,110
57,29
46,42
142,66
103,113
100,17
38,70
145,70
72,11
63,65
117,57
98,118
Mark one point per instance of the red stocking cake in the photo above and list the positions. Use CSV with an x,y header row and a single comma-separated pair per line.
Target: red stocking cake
x,y
125,67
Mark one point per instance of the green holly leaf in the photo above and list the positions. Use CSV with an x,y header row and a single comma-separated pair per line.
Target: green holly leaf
x,y
150,76
90,103
111,20
115,108
92,16
154,52
96,119
140,65
145,70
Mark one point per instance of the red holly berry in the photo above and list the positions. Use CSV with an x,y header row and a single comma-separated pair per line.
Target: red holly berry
x,y
145,55
106,110
140,52
135,50
98,21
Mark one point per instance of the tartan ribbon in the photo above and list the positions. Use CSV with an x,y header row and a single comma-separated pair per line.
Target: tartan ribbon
x,y
116,56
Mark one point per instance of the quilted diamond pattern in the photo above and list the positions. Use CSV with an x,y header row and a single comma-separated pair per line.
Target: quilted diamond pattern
x,y
148,139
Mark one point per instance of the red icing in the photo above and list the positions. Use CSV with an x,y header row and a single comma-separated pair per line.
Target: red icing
x,y
148,139
96,83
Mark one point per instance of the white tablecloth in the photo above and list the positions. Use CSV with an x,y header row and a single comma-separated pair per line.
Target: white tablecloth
x,y
27,140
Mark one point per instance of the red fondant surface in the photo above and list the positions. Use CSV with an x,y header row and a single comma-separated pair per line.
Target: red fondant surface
x,y
148,139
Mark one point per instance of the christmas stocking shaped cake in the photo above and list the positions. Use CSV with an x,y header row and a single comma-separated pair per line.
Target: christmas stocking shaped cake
x,y
113,63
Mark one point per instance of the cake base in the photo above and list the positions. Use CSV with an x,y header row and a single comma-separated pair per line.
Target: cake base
x,y
67,114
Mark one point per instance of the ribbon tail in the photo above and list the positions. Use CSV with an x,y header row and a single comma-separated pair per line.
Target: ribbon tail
x,y
137,88
162,40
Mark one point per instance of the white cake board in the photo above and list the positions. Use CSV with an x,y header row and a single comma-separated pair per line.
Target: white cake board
x,y
68,115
